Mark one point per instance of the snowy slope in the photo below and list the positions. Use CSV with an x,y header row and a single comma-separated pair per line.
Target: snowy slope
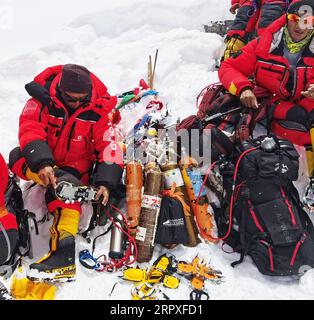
x,y
115,43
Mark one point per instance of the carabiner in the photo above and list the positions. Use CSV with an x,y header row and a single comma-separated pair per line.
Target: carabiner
x,y
85,256
198,294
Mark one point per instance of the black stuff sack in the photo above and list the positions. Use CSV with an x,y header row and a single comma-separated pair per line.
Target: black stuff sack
x,y
171,228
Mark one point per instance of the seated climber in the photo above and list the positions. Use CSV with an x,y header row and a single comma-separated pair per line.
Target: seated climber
x,y
63,135
252,17
8,224
281,60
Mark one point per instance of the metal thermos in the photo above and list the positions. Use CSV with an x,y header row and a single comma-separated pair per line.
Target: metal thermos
x,y
117,238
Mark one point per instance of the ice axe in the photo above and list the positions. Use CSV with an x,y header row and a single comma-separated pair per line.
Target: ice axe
x,y
219,115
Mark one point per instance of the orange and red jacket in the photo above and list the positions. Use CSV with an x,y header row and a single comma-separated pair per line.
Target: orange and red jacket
x,y
3,181
48,135
263,57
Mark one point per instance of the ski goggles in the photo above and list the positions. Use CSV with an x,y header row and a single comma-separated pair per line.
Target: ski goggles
x,y
308,21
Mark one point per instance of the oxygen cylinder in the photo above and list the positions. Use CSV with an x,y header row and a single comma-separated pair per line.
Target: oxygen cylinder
x,y
117,238
134,184
193,182
173,176
151,201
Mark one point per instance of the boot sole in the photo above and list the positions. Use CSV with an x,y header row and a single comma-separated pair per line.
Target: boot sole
x,y
52,276
54,279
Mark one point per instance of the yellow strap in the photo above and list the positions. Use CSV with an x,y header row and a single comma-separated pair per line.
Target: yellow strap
x,y
54,231
33,176
179,196
3,212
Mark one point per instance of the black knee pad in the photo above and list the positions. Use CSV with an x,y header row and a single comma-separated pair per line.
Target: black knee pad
x,y
300,115
14,156
69,175
242,18
270,13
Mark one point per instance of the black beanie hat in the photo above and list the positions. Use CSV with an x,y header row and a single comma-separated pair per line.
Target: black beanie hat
x,y
297,4
76,79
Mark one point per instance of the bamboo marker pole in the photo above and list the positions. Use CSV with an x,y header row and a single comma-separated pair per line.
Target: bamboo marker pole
x,y
154,69
150,74
151,70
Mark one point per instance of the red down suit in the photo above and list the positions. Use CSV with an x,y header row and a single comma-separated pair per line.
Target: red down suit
x,y
48,135
264,59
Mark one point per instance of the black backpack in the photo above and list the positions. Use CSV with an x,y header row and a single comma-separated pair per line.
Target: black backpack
x,y
15,205
268,220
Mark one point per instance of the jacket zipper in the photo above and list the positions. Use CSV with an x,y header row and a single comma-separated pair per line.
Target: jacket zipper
x,y
65,119
295,76
283,81
70,135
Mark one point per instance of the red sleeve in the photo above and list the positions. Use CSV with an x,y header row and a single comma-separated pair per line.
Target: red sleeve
x,y
33,135
3,180
33,123
234,72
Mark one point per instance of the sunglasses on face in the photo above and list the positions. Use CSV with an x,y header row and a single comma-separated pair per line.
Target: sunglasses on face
x,y
71,99
296,18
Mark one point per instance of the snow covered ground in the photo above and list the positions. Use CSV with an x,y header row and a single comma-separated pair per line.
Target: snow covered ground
x,y
114,42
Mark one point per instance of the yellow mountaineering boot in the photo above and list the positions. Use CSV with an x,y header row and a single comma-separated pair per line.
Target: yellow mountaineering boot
x,y
59,263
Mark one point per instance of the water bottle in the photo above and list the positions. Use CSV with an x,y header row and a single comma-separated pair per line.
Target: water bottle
x,y
117,238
